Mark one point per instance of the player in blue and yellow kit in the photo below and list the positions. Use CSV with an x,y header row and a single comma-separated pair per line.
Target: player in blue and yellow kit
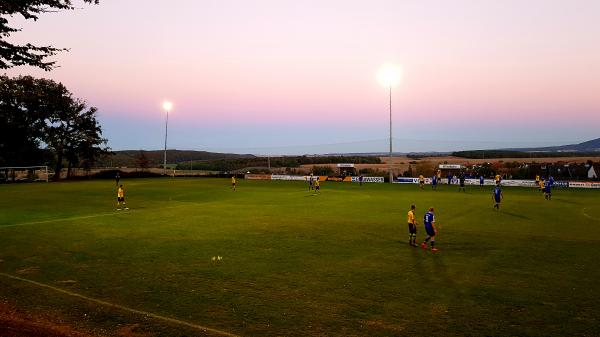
x,y
497,196
121,198
429,222
412,227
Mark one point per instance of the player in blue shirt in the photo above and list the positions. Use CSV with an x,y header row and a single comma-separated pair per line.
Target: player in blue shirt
x,y
434,182
429,222
497,196
481,181
548,190
551,180
449,179
462,182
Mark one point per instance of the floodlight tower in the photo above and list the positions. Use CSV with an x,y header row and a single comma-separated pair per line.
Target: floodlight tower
x,y
167,106
389,75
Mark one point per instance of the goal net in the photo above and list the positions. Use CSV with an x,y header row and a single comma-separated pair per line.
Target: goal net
x,y
16,174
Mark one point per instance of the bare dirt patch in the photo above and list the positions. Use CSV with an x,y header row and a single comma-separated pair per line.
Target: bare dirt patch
x,y
133,330
14,323
66,282
28,271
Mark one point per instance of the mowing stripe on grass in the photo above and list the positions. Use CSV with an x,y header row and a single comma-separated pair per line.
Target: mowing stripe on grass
x,y
81,217
124,308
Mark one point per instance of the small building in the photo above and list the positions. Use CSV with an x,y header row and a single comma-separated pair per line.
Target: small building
x,y
452,169
346,169
592,173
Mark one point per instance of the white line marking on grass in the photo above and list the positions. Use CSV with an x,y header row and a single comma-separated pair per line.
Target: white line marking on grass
x,y
587,215
61,219
121,307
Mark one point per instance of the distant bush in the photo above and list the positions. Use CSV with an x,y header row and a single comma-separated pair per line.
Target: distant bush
x,y
110,174
322,170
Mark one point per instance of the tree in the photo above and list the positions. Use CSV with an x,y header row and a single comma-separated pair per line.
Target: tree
x,y
322,170
25,103
41,112
142,161
73,133
11,54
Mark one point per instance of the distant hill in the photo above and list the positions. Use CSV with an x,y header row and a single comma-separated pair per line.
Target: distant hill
x,y
589,146
130,158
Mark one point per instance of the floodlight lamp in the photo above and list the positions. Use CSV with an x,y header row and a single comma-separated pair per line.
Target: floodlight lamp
x,y
389,75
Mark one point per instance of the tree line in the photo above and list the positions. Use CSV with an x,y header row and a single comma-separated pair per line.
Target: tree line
x,y
284,161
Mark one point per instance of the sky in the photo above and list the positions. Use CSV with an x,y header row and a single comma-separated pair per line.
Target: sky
x,y
293,77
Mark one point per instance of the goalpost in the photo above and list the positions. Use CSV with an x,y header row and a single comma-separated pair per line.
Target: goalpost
x,y
15,174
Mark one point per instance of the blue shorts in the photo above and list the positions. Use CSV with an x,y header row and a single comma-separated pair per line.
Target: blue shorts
x,y
498,200
429,230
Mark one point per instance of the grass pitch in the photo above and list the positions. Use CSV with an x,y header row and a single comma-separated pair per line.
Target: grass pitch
x,y
298,264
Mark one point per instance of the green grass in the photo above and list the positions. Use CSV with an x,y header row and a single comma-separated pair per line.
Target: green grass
x,y
335,264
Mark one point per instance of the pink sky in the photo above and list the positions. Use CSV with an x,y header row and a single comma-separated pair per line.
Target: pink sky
x,y
275,64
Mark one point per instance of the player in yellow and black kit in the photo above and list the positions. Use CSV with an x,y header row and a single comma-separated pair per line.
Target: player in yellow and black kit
x,y
121,198
233,183
421,181
412,227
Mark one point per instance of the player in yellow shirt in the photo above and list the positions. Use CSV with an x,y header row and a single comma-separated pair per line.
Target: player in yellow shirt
x,y
233,183
542,185
412,227
498,179
317,185
422,182
121,198
537,180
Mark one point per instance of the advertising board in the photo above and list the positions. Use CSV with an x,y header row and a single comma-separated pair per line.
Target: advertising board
x,y
561,184
257,176
584,184
290,177
406,180
369,179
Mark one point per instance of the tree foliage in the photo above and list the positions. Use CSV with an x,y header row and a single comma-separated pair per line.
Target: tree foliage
x,y
12,54
40,113
142,161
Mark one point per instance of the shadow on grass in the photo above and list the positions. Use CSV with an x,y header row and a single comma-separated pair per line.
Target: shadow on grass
x,y
567,201
520,216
